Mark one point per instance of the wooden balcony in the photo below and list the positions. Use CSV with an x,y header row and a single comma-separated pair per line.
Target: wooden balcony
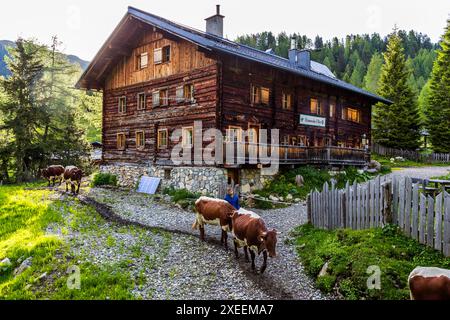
x,y
251,153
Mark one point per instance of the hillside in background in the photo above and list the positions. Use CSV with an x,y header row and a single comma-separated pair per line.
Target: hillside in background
x,y
3,52
356,59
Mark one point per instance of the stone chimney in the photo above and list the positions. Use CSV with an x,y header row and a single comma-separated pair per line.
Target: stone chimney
x,y
214,24
301,58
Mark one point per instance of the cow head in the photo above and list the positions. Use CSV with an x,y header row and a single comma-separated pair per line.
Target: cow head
x,y
233,214
78,174
44,173
269,240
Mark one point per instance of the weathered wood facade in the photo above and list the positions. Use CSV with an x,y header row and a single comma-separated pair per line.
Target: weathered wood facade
x,y
145,65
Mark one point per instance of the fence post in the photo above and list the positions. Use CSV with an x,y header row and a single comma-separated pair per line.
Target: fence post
x,y
387,205
308,205
344,209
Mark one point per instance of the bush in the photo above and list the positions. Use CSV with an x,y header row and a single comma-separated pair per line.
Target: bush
x,y
104,179
350,252
326,283
183,197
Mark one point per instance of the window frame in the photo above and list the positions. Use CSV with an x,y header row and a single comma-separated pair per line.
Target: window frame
x,y
164,54
165,101
332,110
257,95
183,130
155,103
119,106
139,107
318,107
346,114
120,134
287,100
239,135
161,146
138,146
188,95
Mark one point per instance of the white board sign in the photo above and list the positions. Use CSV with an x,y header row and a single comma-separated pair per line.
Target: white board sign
x,y
148,185
312,120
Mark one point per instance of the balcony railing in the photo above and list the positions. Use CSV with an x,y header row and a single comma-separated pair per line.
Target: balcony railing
x,y
253,153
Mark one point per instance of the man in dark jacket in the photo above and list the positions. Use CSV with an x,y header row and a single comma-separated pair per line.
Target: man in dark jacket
x,y
232,198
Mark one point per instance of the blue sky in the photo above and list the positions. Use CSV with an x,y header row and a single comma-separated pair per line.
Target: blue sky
x,y
84,25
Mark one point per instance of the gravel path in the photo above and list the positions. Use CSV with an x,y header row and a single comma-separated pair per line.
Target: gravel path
x,y
205,270
422,172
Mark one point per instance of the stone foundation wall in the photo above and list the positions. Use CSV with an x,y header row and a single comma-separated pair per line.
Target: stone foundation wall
x,y
252,179
206,180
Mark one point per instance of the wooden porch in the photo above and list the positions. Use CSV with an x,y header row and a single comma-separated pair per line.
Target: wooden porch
x,y
251,153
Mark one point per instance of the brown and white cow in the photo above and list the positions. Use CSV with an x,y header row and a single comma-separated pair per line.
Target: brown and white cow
x,y
250,231
73,176
429,283
53,173
213,212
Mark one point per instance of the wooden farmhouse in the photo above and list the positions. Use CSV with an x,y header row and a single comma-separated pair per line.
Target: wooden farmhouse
x,y
159,77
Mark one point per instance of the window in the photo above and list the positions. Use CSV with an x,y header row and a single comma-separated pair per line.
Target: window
x,y
315,106
122,104
161,55
185,93
260,95
140,140
163,140
351,114
166,54
121,141
141,102
234,134
155,98
286,102
160,98
332,109
188,137
164,97
189,92
142,61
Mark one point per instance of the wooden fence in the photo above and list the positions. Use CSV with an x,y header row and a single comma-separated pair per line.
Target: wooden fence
x,y
376,203
411,155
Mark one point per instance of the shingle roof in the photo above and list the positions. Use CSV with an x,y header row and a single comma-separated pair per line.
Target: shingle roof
x,y
318,72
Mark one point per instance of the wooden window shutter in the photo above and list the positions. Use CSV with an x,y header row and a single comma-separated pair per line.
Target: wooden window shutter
x,y
157,56
180,93
144,60
155,98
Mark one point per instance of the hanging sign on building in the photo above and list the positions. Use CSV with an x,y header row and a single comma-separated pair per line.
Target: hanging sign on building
x,y
312,120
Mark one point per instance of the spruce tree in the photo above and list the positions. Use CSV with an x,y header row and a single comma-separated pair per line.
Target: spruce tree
x,y
437,106
22,116
373,73
396,125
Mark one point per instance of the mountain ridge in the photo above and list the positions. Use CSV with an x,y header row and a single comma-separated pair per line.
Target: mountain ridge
x,y
7,43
